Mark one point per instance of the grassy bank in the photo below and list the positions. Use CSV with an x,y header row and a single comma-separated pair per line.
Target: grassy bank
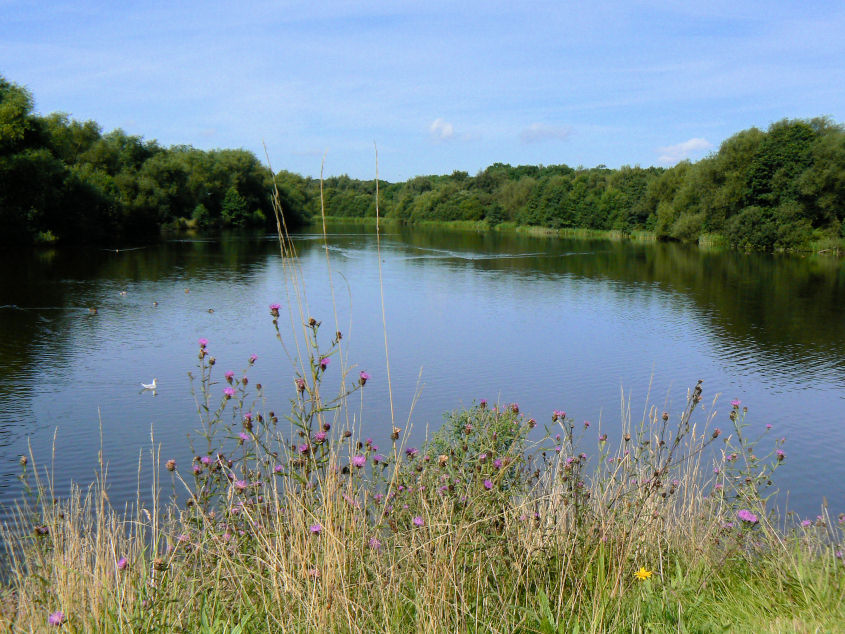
x,y
293,520
503,227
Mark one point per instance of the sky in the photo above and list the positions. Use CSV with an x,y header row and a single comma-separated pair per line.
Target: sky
x,y
431,87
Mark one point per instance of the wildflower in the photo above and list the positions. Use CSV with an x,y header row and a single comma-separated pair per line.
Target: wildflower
x,y
253,358
324,363
602,437
395,433
363,378
418,521
488,484
274,309
206,460
359,461
228,392
122,563
558,449
240,485
747,516
780,454
806,523
411,452
379,459
482,403
278,468
768,426
374,543
586,424
716,432
243,436
642,574
171,465
558,414
229,376
315,529
303,449
497,463
203,342
56,619
320,437
736,403
442,459
300,385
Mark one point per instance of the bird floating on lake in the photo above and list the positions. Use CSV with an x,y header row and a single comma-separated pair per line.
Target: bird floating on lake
x,y
211,310
150,386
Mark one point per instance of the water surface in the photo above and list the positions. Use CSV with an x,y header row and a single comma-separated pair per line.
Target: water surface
x,y
548,323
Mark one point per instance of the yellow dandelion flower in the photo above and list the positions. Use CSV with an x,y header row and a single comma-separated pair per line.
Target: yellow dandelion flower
x,y
642,574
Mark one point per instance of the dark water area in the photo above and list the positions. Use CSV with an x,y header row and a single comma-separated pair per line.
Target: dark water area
x,y
548,323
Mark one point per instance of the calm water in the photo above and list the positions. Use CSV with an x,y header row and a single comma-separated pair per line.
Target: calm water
x,y
550,324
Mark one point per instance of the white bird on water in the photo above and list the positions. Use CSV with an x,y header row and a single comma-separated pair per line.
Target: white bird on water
x,y
150,386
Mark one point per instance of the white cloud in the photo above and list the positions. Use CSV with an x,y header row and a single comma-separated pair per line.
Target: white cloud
x,y
441,130
539,132
681,151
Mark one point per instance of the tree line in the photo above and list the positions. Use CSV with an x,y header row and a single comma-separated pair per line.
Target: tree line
x,y
65,180
781,188
778,189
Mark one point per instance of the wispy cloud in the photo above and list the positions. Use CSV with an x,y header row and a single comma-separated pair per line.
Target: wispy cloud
x,y
539,132
680,151
441,130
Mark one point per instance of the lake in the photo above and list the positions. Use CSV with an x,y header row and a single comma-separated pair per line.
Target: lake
x,y
548,323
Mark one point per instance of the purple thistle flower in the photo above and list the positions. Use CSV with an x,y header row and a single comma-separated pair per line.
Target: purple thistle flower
x,y
243,436
418,521
274,309
253,358
206,460
196,468
229,376
411,452
374,543
359,461
806,523
248,416
56,618
320,437
303,449
379,459
363,377
515,408
228,392
203,342
736,403
558,414
278,468
482,403
780,454
488,484
240,485
602,437
482,457
324,363
586,424
122,563
497,463
315,529
747,516
768,426
558,449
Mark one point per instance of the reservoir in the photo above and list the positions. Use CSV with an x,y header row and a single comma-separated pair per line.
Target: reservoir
x,y
601,329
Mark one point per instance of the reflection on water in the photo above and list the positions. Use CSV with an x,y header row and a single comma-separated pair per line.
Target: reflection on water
x,y
547,322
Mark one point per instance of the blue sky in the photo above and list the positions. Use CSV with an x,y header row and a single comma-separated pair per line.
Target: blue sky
x,y
437,86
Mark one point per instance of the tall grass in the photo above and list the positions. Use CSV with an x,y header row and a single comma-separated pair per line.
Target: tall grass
x,y
293,521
